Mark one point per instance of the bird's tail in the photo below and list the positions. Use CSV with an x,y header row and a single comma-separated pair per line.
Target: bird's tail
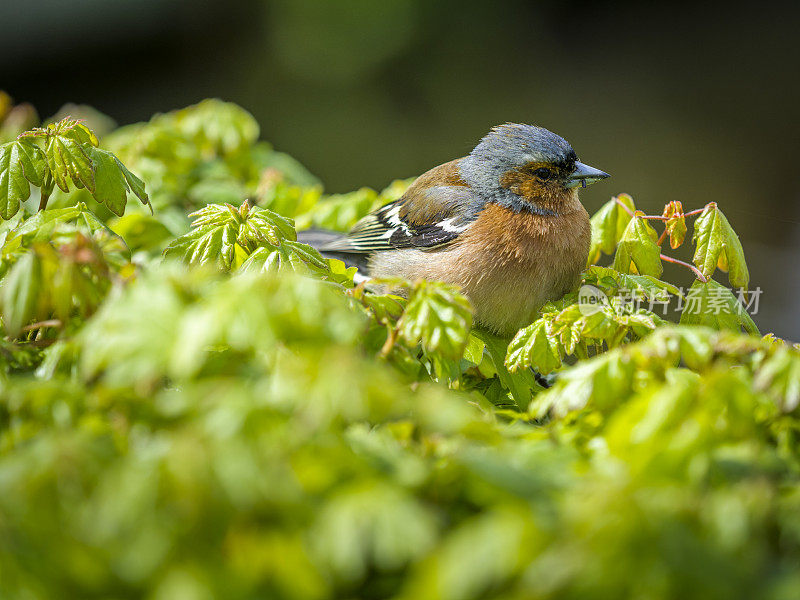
x,y
323,238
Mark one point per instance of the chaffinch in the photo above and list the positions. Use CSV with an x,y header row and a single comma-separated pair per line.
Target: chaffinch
x,y
503,223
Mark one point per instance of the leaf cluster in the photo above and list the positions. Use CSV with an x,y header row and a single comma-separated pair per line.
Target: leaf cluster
x,y
63,154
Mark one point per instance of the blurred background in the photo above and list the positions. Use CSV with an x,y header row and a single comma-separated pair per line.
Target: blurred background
x,y
678,102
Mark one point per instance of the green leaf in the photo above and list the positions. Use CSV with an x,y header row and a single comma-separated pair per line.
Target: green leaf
x,y
80,133
111,188
21,163
638,248
135,184
650,287
438,317
520,384
533,347
714,305
68,160
717,245
608,225
113,181
228,237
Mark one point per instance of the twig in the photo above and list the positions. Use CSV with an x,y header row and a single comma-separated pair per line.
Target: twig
x,y
694,212
694,269
627,210
691,213
42,324
389,343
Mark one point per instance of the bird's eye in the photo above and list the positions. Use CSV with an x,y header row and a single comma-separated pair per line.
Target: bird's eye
x,y
544,173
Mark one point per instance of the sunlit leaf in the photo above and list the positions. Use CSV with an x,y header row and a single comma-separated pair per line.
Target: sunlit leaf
x,y
532,347
675,223
21,163
637,248
609,224
438,317
717,245
714,305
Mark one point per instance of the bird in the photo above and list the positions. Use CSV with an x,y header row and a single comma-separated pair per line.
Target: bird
x,y
504,224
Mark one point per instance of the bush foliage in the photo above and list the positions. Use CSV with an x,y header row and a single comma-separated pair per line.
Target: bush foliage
x,y
196,405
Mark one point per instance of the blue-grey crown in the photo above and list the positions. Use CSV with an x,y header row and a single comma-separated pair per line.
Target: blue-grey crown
x,y
508,147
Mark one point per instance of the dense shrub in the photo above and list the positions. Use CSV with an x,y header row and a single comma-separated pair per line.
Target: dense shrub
x,y
195,405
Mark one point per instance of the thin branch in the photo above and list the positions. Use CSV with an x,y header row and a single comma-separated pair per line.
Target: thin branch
x,y
691,213
694,269
627,210
694,212
389,343
42,324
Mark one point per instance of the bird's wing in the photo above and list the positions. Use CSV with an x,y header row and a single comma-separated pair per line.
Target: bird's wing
x,y
433,212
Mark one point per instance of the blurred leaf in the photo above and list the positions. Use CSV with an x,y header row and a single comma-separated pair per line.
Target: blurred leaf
x,y
371,525
780,376
21,293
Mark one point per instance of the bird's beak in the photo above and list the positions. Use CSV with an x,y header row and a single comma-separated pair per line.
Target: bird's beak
x,y
584,175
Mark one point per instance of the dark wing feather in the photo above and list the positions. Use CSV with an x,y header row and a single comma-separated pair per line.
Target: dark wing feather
x,y
429,215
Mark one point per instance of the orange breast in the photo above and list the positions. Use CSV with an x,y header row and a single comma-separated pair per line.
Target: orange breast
x,y
509,264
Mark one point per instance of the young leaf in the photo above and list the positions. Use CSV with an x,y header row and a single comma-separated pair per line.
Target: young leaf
x,y
21,163
638,247
77,131
438,317
533,347
135,184
648,286
608,225
68,160
253,238
113,181
110,186
675,223
717,245
714,305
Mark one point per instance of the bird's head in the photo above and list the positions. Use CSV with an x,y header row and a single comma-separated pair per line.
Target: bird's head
x,y
526,168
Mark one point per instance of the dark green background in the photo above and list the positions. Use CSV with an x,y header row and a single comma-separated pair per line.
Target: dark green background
x,y
677,102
